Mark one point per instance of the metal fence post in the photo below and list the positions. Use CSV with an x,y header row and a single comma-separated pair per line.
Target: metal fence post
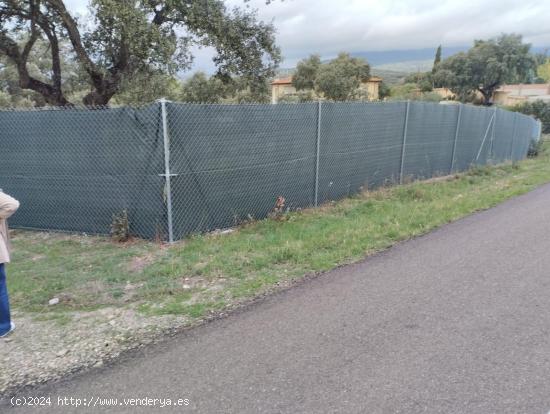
x,y
404,142
491,151
317,153
513,135
167,175
485,137
457,129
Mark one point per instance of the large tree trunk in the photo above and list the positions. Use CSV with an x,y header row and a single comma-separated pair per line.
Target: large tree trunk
x,y
103,92
51,95
487,96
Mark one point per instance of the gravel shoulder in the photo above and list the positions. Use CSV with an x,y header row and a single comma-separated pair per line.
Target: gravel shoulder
x,y
42,350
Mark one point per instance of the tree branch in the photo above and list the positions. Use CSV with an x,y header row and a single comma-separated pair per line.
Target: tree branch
x,y
74,36
160,15
56,60
52,93
10,48
34,33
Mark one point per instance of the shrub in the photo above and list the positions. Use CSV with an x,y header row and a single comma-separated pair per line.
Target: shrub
x,y
298,97
535,147
412,92
539,109
120,226
279,210
431,97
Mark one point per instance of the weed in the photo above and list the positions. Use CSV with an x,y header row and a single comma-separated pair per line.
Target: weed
x,y
120,227
278,211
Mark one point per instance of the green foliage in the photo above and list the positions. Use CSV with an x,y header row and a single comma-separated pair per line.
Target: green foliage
x,y
437,59
543,71
423,80
147,87
128,41
14,101
337,80
306,73
384,91
486,66
539,109
411,91
404,91
5,100
430,97
535,148
39,65
250,96
201,89
120,227
244,90
541,58
298,97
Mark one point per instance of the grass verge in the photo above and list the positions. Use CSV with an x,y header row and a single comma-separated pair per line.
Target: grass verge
x,y
208,272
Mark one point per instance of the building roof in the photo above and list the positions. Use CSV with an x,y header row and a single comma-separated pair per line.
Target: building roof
x,y
282,81
534,89
288,80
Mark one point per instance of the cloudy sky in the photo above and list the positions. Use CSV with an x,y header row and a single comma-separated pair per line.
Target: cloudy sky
x,y
330,26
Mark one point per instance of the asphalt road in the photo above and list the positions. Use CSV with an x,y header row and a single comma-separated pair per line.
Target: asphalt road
x,y
457,321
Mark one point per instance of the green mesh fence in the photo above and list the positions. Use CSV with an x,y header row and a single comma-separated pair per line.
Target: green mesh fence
x,y
73,168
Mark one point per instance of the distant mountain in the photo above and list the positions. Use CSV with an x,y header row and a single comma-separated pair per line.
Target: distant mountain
x,y
384,57
416,56
391,77
394,65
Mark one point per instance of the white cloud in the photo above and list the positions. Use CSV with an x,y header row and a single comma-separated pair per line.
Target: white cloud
x,y
329,26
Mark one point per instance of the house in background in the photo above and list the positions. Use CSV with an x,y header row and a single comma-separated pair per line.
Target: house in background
x,y
510,95
283,87
280,88
445,93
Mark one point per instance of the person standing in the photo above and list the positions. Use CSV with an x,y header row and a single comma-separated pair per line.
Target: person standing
x,y
8,206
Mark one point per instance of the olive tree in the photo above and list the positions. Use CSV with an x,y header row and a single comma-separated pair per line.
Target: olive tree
x,y
486,66
337,80
125,39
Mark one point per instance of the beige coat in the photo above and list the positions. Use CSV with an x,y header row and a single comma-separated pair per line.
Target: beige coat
x,y
8,206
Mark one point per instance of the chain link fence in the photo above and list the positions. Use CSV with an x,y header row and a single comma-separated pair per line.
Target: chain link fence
x,y
180,168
